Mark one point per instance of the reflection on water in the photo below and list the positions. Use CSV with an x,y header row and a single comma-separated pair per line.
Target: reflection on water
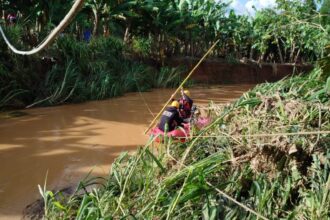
x,y
68,141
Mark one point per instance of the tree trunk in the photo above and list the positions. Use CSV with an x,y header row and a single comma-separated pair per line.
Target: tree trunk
x,y
79,32
297,56
3,16
159,46
251,53
162,49
279,50
285,58
106,29
43,21
293,48
126,35
191,44
261,58
186,46
37,25
96,22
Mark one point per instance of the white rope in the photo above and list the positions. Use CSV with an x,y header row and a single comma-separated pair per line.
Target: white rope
x,y
259,135
63,24
226,195
237,202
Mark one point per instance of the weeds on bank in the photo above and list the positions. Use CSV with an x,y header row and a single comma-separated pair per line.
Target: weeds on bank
x,y
279,176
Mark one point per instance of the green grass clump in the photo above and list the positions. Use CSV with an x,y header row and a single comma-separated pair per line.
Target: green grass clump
x,y
279,176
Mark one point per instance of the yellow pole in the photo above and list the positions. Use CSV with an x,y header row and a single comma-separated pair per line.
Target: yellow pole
x,y
181,85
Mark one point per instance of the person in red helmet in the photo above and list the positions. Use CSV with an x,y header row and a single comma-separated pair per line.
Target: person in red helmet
x,y
186,104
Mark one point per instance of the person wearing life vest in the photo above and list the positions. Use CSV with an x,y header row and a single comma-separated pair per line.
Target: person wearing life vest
x,y
171,117
186,104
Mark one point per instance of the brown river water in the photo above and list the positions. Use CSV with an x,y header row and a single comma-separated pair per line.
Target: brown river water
x,y
69,141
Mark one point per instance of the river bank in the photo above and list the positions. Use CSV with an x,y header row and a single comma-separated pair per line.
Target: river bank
x,y
265,155
221,71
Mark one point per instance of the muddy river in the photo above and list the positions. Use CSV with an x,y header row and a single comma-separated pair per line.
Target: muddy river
x,y
68,141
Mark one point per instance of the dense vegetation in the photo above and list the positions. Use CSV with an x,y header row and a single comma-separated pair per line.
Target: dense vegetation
x,y
293,31
279,174
74,71
282,174
130,35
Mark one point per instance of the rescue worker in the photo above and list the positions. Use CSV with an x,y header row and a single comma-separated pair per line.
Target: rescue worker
x,y
11,18
171,117
186,104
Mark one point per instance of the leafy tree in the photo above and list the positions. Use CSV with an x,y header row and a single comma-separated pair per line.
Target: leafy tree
x,y
325,12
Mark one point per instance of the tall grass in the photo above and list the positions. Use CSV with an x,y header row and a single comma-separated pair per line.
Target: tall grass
x,y
15,84
7,97
168,77
81,71
280,177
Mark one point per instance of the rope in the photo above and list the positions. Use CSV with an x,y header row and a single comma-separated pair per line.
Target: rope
x,y
214,107
181,85
146,104
51,37
261,135
228,196
143,99
253,135
236,202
